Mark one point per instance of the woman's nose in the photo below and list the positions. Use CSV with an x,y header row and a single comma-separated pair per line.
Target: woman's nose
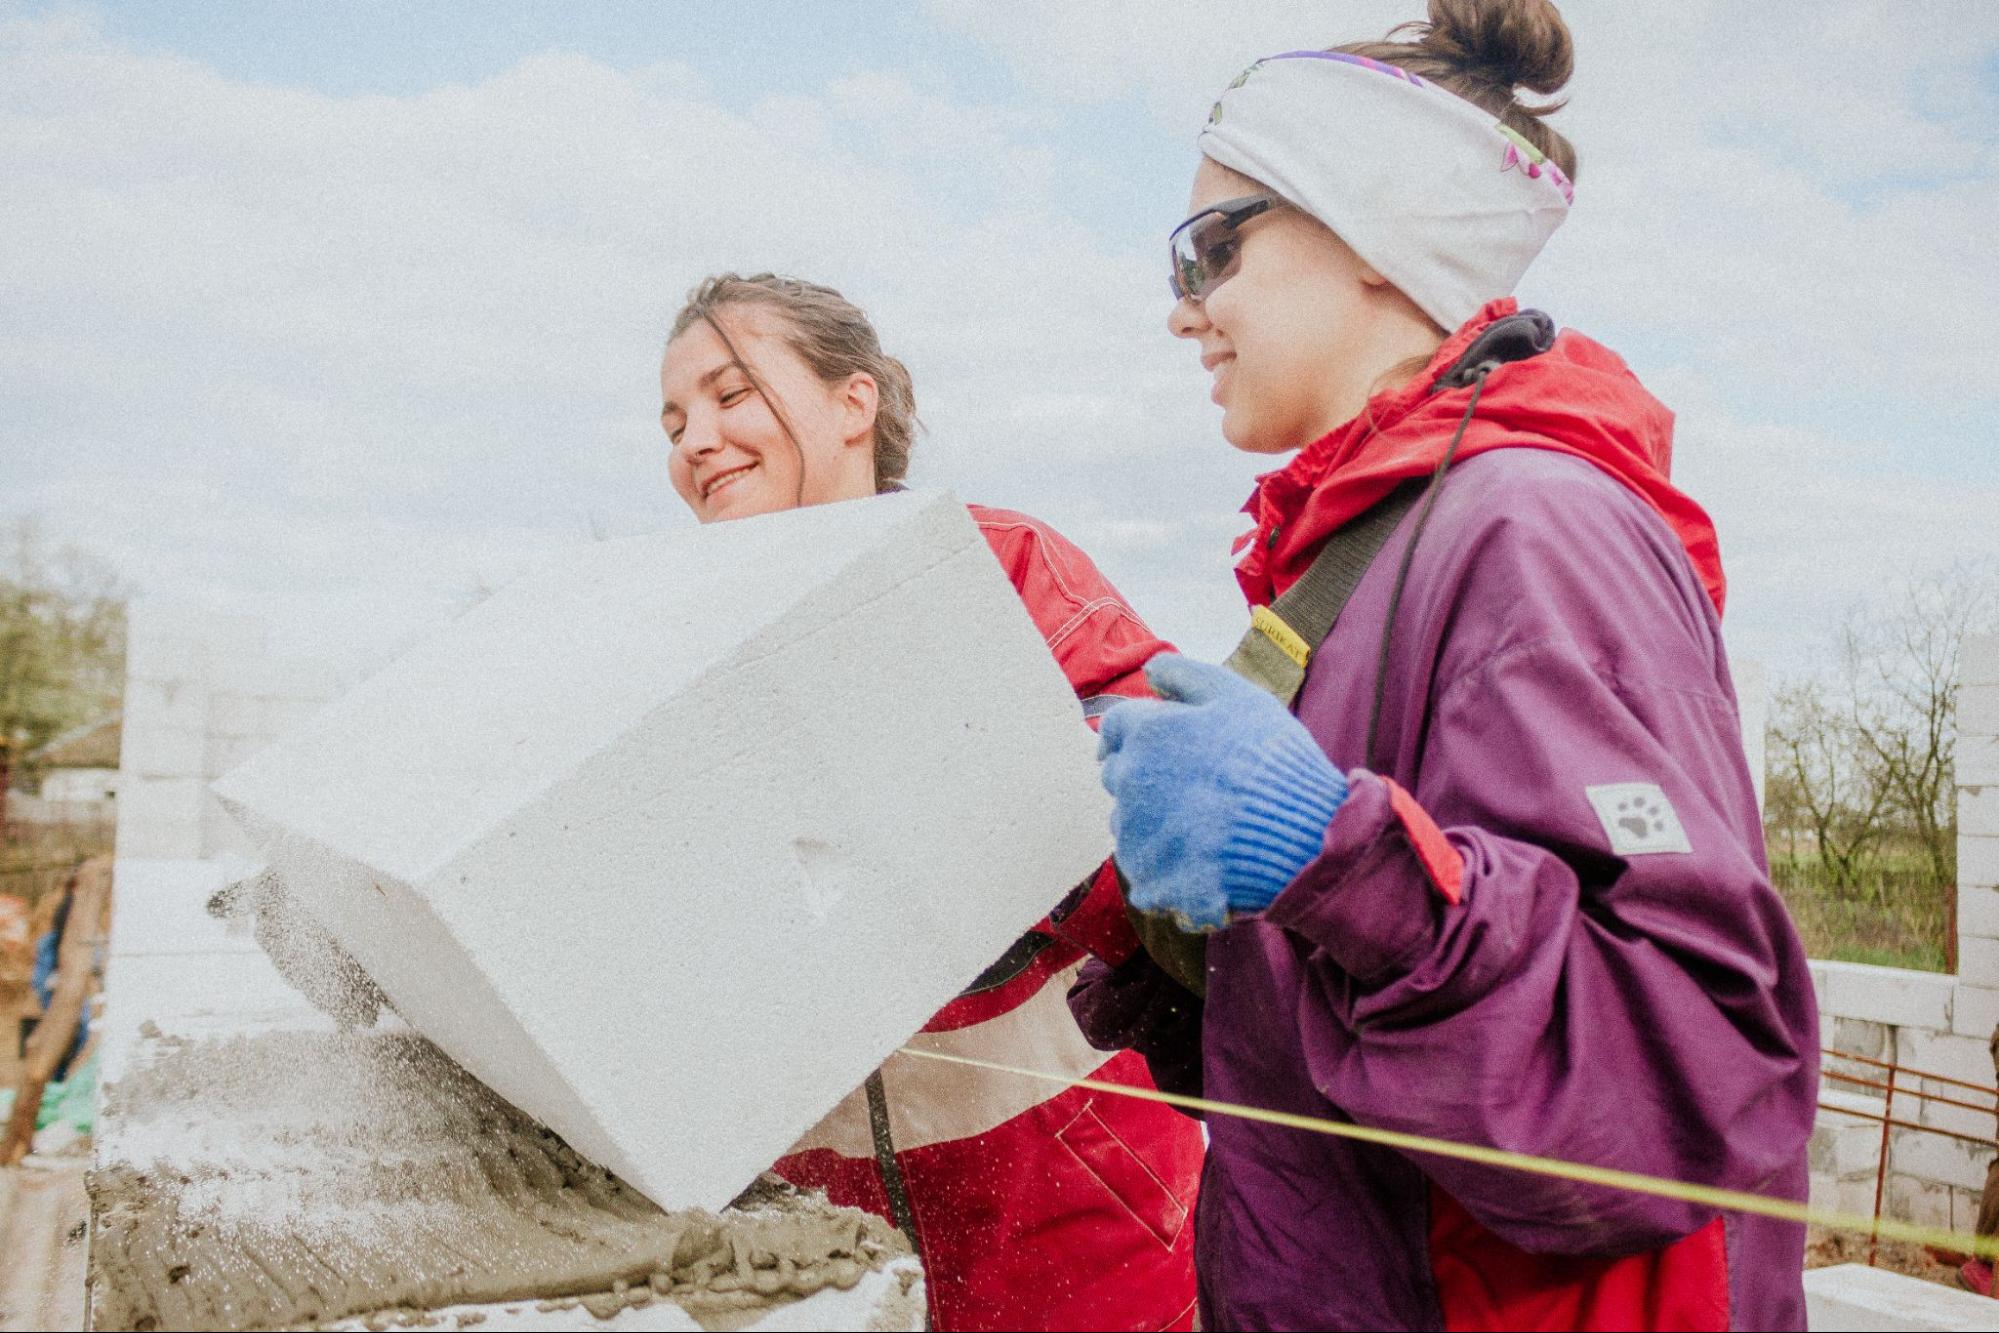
x,y
700,436
1186,319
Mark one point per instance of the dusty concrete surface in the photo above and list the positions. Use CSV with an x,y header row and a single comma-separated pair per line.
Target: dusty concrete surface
x,y
43,1219
295,1177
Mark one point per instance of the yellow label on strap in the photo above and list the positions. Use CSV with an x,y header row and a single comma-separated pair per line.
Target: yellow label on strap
x,y
1273,628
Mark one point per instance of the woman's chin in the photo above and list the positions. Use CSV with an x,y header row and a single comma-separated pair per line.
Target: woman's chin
x,y
1242,434
742,499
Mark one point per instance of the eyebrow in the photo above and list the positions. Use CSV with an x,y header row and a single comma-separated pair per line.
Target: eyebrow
x,y
704,382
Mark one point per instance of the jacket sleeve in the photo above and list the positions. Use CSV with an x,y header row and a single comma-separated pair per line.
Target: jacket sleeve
x,y
1102,647
1500,975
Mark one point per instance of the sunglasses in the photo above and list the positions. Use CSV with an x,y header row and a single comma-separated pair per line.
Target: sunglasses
x,y
1205,248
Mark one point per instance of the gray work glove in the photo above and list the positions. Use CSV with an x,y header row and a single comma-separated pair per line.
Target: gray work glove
x,y
305,955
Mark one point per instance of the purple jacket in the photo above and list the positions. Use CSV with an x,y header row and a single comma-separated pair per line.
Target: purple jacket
x,y
1592,997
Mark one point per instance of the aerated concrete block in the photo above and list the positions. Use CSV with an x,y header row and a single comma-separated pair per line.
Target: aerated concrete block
x,y
1900,997
1978,960
673,842
1977,860
1975,1011
1940,1160
1978,660
1855,1297
1976,760
1977,911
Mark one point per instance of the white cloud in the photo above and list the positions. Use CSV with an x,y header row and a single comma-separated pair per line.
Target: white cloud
x,y
362,355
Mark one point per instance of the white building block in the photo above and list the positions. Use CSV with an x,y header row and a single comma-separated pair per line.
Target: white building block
x,y
1977,911
1977,860
163,752
1978,959
1923,1202
1940,1160
1978,710
1976,760
1974,1011
1894,995
1978,660
1852,1298
234,714
1978,810
1943,1053
673,842
148,704
159,817
1844,1145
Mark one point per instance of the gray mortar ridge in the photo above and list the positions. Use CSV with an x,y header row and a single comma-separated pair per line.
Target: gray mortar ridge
x,y
290,1179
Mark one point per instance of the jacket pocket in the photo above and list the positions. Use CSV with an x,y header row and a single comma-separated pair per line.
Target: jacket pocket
x,y
1121,1171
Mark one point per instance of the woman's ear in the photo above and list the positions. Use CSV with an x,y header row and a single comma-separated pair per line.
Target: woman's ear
x,y
859,403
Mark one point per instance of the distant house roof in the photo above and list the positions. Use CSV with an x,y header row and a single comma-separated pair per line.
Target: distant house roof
x,y
92,745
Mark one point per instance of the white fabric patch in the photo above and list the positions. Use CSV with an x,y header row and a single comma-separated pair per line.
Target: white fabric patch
x,y
1637,818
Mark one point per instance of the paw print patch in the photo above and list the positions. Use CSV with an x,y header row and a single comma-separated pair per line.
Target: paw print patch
x,y
1637,818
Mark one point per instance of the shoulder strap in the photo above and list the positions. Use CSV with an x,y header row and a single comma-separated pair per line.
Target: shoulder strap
x,y
1282,637
1274,654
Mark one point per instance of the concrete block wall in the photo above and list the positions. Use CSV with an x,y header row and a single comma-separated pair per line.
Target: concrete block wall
x,y
1926,1020
202,694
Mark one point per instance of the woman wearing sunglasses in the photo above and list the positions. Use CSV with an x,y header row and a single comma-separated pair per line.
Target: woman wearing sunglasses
x,y
1032,1206
1499,878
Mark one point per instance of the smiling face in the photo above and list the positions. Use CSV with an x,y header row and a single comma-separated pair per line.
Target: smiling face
x,y
731,456
1301,334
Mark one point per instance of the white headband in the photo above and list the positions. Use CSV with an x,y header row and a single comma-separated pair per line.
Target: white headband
x,y
1436,195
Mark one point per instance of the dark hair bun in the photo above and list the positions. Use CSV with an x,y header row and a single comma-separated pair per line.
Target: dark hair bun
x,y
1519,43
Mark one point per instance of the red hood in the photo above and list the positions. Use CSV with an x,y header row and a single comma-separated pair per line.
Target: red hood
x,y
1577,398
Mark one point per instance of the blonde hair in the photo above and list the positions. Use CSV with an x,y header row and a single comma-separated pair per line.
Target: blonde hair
x,y
831,335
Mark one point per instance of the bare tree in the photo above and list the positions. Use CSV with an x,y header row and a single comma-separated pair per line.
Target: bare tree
x,y
1898,669
1827,784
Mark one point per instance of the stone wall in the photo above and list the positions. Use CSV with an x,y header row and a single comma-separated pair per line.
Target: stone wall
x,y
1925,1020
202,694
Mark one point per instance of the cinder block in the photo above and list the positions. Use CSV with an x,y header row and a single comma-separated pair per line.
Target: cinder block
x,y
1976,760
1857,1036
1978,710
1978,811
281,715
1897,996
673,842
1945,1053
1942,1115
163,752
1977,860
1923,1202
1844,1146
1977,911
164,656
1974,1011
1978,959
150,839
225,752
1848,1298
1935,1158
149,704
234,714
1978,661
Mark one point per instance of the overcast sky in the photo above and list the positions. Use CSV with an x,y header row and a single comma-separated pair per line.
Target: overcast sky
x,y
340,313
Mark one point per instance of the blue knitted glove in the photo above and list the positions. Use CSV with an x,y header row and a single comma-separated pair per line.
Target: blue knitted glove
x,y
1222,795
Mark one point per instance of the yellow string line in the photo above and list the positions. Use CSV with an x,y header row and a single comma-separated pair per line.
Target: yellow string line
x,y
1708,1196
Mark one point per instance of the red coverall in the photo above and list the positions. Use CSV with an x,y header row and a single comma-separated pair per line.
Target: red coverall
x,y
1034,1206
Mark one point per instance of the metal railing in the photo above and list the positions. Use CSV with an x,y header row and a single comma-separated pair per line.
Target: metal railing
x,y
1897,1081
